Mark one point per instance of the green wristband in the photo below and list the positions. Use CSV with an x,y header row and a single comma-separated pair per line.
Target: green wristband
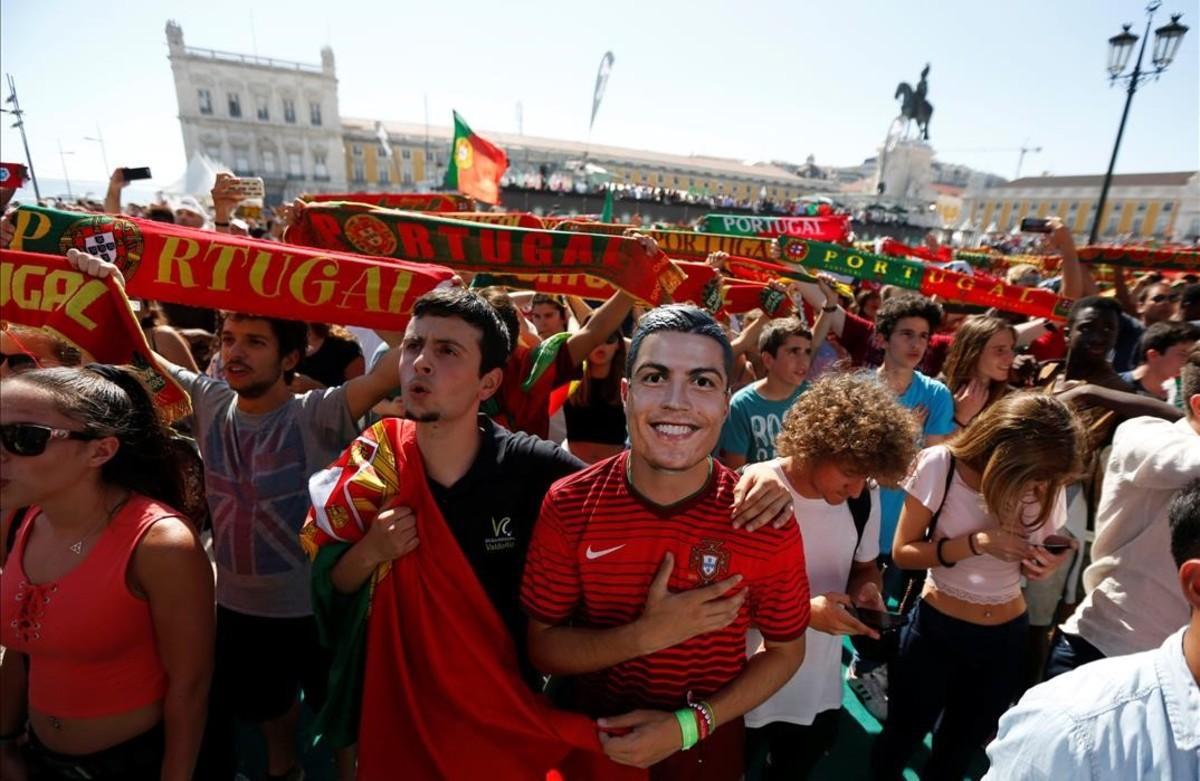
x,y
687,725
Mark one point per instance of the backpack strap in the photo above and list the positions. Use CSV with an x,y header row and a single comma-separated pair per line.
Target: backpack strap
x,y
860,511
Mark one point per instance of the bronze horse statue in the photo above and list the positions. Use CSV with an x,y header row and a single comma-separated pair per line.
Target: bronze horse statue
x,y
914,106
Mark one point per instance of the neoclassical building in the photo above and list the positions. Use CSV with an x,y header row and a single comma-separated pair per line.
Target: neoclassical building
x,y
260,116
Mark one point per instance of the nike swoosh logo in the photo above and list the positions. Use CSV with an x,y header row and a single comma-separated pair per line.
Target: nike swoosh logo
x,y
595,554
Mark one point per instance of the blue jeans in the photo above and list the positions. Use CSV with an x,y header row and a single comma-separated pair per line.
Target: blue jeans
x,y
1069,651
955,678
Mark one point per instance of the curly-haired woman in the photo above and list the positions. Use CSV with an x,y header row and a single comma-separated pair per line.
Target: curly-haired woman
x,y
845,430
977,516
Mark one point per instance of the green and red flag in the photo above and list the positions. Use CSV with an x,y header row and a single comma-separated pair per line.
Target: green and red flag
x,y
476,164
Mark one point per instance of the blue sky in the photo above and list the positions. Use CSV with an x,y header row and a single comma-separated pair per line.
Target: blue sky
x,y
748,80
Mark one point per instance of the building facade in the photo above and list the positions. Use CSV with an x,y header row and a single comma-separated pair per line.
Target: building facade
x,y
1140,207
419,154
260,116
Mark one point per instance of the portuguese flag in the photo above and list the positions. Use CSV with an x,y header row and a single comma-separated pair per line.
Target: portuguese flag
x,y
476,164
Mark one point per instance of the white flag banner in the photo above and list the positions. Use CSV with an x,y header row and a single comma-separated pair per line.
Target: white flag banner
x,y
606,63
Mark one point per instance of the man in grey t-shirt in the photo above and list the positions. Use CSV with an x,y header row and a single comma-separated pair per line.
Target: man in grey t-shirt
x,y
260,444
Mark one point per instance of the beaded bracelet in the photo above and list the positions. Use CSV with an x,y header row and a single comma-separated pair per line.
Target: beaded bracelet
x,y
687,725
704,716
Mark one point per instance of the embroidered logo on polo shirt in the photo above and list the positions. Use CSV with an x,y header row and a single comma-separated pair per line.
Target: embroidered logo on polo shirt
x,y
710,560
595,554
502,538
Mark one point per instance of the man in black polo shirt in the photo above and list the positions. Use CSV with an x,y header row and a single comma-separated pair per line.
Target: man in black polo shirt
x,y
488,483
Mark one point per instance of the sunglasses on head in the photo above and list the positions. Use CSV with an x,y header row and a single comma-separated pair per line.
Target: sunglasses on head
x,y
30,439
1158,299
18,362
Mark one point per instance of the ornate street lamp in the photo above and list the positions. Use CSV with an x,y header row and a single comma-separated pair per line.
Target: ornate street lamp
x,y
1166,43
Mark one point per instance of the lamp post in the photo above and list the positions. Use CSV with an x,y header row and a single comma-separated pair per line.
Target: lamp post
x,y
20,125
62,156
99,139
1166,43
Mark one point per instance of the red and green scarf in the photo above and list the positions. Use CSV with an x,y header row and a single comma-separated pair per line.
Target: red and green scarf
x,y
511,219
93,315
468,246
417,202
914,275
164,262
697,246
1124,256
833,228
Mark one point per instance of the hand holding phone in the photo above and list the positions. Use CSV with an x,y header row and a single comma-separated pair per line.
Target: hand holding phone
x,y
134,174
1035,225
1056,543
880,620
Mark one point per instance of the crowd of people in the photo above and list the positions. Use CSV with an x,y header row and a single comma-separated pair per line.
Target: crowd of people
x,y
530,534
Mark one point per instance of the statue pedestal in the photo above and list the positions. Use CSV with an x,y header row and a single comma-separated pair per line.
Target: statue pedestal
x,y
907,172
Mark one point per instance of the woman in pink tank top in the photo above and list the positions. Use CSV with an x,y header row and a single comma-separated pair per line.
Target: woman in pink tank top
x,y
977,515
106,598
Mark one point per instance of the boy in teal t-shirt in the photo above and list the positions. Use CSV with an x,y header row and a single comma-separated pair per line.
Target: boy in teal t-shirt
x,y
756,411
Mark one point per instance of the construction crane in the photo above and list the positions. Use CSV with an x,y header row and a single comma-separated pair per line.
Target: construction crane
x,y
1022,150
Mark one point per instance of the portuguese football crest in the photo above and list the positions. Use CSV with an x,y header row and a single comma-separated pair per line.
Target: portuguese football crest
x,y
117,241
797,250
370,235
710,560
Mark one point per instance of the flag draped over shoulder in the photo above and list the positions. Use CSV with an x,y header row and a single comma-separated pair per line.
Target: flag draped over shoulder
x,y
476,164
93,315
441,693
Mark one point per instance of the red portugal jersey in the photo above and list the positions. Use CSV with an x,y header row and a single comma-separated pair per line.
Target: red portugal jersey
x,y
596,548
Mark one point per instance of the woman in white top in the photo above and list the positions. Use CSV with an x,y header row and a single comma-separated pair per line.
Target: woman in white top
x,y
961,656
844,430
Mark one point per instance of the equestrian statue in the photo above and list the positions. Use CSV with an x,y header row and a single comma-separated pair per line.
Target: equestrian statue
x,y
915,107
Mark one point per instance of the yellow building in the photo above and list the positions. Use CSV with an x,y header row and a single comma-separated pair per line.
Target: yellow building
x,y
1159,206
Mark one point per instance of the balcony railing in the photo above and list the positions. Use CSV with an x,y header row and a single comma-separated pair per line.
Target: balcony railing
x,y
250,59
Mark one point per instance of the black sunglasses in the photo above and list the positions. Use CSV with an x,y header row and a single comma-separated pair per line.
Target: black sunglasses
x,y
18,362
30,439
1158,299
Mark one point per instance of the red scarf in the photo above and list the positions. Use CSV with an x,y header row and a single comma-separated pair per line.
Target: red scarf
x,y
93,315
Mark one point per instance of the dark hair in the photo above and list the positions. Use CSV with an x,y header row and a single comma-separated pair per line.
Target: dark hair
x,y
1099,303
111,401
683,319
865,295
507,310
1190,295
292,335
473,309
777,332
899,307
544,298
1189,379
1161,337
1184,516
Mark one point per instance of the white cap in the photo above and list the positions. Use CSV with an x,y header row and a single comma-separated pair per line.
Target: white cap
x,y
189,203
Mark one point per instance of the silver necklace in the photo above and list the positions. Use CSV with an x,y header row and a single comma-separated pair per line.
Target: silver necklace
x,y
77,548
